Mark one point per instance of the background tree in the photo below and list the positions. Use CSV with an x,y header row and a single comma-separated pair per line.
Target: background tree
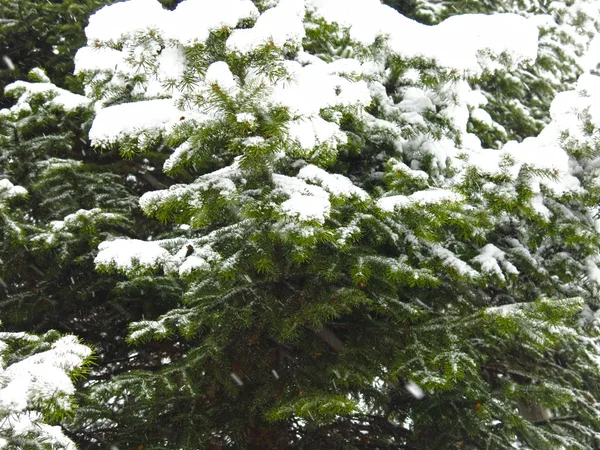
x,y
43,34
36,373
75,198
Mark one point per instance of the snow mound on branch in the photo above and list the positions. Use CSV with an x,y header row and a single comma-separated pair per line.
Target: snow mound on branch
x,y
220,74
42,378
90,59
9,190
306,202
27,92
131,120
190,22
279,25
335,184
459,42
123,254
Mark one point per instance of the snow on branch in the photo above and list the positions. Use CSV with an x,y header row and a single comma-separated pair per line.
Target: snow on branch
x,y
38,387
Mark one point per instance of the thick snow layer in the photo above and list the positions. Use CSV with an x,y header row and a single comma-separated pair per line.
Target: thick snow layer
x,y
310,89
131,120
9,190
193,263
219,73
278,26
317,86
190,22
112,22
305,201
91,59
59,97
123,254
455,43
315,132
306,207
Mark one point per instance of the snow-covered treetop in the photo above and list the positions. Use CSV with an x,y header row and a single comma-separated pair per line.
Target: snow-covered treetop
x,y
162,57
456,43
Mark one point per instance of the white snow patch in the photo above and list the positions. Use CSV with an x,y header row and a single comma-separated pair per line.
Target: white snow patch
x,y
248,118
123,254
57,96
220,74
9,190
92,59
336,184
454,262
112,22
593,272
426,197
459,42
306,201
193,263
279,25
190,22
489,257
115,123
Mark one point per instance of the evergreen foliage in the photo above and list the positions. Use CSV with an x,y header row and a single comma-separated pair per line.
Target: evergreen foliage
x,y
334,254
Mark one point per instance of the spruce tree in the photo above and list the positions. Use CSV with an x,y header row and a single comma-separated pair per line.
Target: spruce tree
x,y
359,272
